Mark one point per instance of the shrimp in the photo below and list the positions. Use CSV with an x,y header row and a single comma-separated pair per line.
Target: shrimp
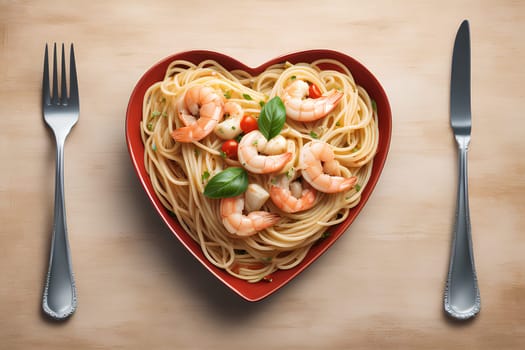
x,y
230,128
248,153
309,109
201,111
239,224
292,197
318,162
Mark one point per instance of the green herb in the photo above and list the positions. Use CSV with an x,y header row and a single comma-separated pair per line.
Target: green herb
x,y
289,173
164,114
357,187
153,146
247,97
261,103
273,181
314,135
228,94
325,234
337,123
272,118
374,105
223,155
293,77
255,143
233,127
267,259
205,175
197,152
355,149
230,182
239,137
150,126
155,114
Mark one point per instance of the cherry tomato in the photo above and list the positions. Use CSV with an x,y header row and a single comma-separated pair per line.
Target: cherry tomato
x,y
248,123
314,92
230,148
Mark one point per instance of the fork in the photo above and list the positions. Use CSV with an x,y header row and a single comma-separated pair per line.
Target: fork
x,y
60,114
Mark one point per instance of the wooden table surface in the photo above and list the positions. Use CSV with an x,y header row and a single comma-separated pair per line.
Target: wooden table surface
x,y
379,286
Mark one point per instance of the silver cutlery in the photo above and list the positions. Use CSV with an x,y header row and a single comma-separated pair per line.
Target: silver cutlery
x,y
462,299
60,114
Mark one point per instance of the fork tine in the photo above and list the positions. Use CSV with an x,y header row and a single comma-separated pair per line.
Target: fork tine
x,y
55,76
46,97
63,90
73,84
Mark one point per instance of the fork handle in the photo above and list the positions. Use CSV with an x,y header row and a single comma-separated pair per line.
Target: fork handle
x,y
60,297
462,300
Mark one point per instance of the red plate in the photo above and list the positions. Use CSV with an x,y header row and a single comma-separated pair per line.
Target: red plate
x,y
363,77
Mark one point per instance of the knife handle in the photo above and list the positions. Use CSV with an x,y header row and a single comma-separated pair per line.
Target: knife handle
x,y
462,299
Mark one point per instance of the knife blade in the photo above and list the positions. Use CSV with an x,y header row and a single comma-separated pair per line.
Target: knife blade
x,y
460,116
462,298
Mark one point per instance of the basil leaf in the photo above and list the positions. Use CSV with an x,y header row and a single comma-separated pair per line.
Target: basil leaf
x,y
230,182
272,118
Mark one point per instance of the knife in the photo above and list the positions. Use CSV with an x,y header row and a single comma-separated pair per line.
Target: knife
x,y
462,299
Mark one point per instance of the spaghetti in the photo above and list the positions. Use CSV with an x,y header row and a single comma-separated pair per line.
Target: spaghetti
x,y
180,171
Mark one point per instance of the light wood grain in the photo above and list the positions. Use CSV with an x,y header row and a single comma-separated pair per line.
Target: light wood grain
x,y
380,286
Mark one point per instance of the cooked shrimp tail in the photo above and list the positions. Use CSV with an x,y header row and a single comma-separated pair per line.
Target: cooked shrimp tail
x,y
292,197
239,224
304,109
312,158
201,111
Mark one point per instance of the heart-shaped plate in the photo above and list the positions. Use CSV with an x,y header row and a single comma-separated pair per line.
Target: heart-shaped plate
x,y
362,76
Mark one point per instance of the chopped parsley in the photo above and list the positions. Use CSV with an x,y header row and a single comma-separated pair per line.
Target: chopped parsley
x,y
314,135
325,234
374,105
262,103
223,155
155,114
205,175
247,97
357,187
153,146
293,77
228,94
289,173
150,126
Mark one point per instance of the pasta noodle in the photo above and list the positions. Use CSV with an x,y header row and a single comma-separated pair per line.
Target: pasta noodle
x,y
179,171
